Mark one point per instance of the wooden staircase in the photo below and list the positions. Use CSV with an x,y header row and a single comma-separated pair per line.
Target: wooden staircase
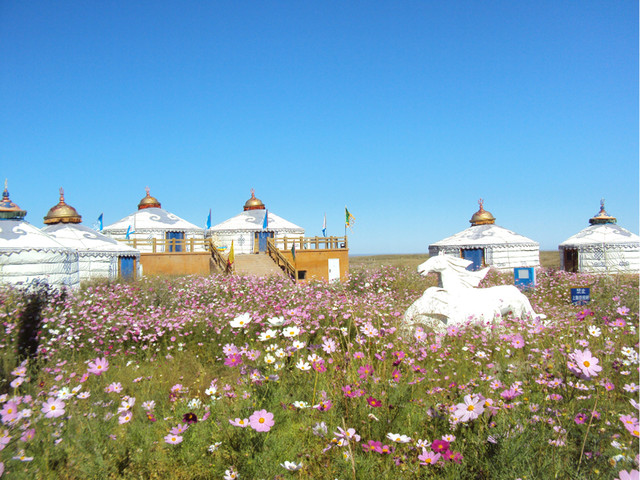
x,y
260,265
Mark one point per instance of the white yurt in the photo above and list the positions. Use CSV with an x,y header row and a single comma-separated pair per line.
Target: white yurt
x,y
248,229
29,256
487,244
98,255
602,247
150,222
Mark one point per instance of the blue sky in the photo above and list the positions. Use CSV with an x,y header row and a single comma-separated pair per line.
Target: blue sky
x,y
407,112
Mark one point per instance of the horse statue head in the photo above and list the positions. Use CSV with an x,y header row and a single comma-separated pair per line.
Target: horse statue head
x,y
453,271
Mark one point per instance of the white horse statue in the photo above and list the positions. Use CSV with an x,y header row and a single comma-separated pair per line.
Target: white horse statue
x,y
456,300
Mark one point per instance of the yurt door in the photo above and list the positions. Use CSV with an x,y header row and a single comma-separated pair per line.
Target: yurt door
x,y
475,255
175,241
571,260
127,267
262,240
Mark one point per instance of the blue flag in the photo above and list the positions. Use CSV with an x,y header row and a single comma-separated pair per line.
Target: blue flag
x,y
209,219
324,226
265,223
100,222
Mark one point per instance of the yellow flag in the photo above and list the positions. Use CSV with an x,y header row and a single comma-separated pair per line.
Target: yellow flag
x,y
232,255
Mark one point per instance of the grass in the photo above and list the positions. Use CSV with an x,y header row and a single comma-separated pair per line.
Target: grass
x,y
339,361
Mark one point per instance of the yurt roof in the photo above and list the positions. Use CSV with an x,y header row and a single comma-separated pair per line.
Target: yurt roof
x,y
253,220
19,235
152,218
85,239
602,230
488,234
608,233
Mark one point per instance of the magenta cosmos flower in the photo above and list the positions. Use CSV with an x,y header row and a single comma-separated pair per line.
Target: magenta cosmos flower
x,y
53,407
98,366
261,421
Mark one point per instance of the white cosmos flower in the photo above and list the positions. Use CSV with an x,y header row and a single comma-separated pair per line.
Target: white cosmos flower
x,y
241,321
396,437
290,332
269,359
268,335
276,321
594,331
292,466
302,365
297,344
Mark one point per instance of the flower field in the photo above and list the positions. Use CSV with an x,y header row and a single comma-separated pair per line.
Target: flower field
x,y
254,378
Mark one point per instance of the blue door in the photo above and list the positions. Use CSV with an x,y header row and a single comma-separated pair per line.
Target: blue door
x,y
262,240
127,268
475,255
177,240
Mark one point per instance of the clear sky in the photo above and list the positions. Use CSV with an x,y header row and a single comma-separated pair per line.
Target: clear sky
x,y
406,112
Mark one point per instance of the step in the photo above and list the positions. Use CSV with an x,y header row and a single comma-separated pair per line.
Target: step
x,y
260,265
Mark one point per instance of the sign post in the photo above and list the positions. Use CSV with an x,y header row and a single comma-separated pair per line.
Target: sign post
x,y
524,277
580,296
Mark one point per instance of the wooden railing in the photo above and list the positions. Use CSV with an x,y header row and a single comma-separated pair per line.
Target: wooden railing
x,y
219,261
316,243
281,260
173,245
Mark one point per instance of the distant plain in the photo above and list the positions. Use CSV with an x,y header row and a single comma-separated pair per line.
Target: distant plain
x,y
548,259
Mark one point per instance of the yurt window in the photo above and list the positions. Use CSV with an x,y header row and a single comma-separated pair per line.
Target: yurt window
x,y
476,255
571,260
127,267
176,239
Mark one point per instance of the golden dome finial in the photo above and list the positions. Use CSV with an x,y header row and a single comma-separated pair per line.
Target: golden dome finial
x,y
148,201
482,217
254,203
8,209
62,213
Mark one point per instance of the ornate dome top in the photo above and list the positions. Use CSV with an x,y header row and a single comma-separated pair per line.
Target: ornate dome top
x,y
62,213
8,209
482,217
148,201
254,203
602,217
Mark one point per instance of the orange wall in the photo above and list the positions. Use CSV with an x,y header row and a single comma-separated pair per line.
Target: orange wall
x,y
316,262
175,263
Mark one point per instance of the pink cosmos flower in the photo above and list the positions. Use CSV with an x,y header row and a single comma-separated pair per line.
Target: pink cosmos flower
x,y
240,422
125,417
632,475
586,362
9,411
178,429
98,366
173,439
261,421
470,409
428,458
53,408
372,446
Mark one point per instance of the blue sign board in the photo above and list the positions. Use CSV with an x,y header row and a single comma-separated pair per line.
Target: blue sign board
x,y
524,277
580,296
